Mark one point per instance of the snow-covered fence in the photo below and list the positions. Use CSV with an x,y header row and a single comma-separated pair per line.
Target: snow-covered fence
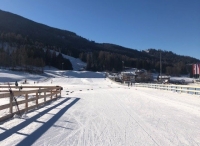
x,y
175,88
28,97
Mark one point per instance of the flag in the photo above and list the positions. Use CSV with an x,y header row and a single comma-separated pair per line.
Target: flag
x,y
198,69
194,69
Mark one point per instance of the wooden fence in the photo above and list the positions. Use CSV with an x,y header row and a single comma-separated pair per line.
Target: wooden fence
x,y
39,95
175,88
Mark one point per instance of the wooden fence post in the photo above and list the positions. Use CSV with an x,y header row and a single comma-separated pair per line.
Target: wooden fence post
x,y
37,99
51,94
26,103
45,97
11,104
56,94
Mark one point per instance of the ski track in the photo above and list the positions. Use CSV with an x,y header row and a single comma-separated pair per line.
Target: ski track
x,y
110,114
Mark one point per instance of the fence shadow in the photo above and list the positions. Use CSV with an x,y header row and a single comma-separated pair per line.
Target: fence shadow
x,y
30,139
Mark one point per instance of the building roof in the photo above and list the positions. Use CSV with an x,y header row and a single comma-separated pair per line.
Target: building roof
x,y
129,73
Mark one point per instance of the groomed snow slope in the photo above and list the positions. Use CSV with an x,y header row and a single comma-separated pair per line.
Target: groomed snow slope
x,y
98,112
77,64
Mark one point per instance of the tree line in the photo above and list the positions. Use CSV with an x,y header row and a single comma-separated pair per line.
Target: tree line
x,y
106,61
29,53
30,58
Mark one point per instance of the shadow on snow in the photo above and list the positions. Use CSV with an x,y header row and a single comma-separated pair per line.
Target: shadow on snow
x,y
30,139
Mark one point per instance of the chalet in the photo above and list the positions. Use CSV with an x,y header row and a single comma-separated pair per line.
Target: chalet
x,y
140,72
163,78
128,77
114,77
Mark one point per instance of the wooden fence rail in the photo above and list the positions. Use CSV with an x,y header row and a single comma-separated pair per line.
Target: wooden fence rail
x,y
28,94
175,88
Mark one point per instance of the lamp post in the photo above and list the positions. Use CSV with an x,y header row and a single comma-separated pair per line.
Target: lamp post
x,y
122,65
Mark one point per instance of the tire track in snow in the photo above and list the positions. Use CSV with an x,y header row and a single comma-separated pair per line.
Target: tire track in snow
x,y
140,125
82,126
184,106
111,123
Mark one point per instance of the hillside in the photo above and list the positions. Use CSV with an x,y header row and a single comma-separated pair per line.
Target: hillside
x,y
31,38
36,32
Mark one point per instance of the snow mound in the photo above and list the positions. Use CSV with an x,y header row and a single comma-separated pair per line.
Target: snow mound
x,y
186,79
12,76
84,74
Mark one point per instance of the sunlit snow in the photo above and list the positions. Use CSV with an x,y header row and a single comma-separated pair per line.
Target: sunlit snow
x,y
94,111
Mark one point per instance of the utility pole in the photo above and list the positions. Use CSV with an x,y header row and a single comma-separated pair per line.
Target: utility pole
x,y
160,66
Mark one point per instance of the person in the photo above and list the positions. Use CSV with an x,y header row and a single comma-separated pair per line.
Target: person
x,y
128,84
16,84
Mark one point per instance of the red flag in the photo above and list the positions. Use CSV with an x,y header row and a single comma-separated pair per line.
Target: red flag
x,y
198,69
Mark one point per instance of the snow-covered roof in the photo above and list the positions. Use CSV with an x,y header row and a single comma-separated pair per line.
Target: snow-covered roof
x,y
128,73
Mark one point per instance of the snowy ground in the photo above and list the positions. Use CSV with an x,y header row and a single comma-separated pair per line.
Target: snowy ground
x,y
77,64
97,112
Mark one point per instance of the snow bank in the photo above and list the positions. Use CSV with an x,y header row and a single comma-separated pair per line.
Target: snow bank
x,y
84,74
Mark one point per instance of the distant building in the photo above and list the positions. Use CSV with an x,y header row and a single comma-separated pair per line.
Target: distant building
x,y
140,72
163,78
128,77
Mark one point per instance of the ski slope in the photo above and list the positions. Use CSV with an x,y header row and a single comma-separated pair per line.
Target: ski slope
x,y
77,64
94,111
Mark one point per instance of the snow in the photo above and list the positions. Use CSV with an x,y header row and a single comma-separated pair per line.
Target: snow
x,y
77,64
12,76
186,79
94,111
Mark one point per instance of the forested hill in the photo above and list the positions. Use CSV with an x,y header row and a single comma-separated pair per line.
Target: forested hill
x,y
168,55
33,37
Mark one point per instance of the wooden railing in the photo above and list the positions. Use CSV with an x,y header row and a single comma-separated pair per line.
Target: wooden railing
x,y
28,97
175,88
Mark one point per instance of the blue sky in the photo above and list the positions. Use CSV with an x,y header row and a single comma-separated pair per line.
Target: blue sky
x,y
171,25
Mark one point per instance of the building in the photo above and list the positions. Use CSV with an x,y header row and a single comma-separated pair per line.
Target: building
x,y
128,77
163,78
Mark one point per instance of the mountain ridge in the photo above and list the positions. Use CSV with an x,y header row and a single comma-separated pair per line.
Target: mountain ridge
x,y
33,34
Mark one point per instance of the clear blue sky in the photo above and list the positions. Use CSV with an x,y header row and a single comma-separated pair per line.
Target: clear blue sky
x,y
171,25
